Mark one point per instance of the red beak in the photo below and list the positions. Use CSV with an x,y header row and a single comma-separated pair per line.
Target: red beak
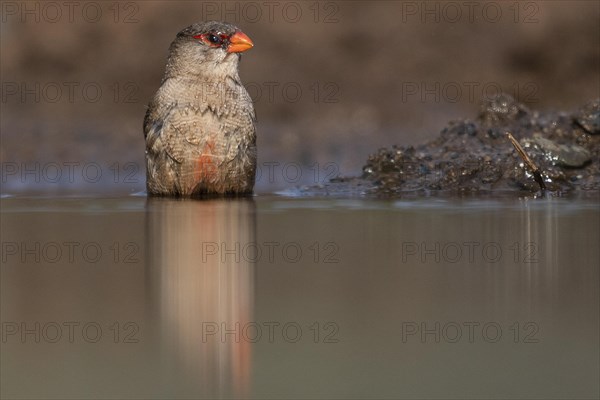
x,y
239,42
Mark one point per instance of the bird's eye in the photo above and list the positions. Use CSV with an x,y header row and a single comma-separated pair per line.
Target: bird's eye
x,y
214,39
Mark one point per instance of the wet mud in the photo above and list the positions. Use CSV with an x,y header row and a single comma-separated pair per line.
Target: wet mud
x,y
476,156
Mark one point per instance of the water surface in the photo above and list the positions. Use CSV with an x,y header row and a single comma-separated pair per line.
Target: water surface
x,y
278,297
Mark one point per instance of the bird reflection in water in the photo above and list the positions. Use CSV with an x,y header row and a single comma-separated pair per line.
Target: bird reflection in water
x,y
203,293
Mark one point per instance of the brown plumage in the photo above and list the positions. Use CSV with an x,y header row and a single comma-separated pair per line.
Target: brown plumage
x,y
200,126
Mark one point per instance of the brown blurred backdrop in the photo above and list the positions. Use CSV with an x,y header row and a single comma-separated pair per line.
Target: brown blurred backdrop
x,y
332,81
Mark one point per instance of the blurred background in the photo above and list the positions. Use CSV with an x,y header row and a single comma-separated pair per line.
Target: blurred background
x,y
332,81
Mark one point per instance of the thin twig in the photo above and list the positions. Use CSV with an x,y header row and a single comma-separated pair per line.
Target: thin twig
x,y
537,175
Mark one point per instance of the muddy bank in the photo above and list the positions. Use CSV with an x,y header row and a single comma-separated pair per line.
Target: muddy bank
x,y
475,156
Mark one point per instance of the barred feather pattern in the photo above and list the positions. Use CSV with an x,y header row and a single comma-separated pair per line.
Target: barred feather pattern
x,y
200,134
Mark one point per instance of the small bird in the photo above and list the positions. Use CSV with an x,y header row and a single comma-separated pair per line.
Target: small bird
x,y
200,126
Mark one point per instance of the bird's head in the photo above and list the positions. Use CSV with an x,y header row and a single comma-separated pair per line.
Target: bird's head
x,y
207,49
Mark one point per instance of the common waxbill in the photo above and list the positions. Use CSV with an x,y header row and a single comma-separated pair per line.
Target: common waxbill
x,y
200,126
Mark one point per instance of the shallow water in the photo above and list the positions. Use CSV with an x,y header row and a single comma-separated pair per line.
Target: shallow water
x,y
278,297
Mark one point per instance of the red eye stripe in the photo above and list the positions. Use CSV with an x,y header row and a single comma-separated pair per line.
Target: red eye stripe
x,y
209,39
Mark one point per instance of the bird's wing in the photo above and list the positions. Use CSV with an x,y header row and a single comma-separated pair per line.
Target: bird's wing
x,y
154,123
182,134
174,131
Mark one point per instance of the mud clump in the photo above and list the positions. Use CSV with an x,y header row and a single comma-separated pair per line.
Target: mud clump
x,y
475,156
